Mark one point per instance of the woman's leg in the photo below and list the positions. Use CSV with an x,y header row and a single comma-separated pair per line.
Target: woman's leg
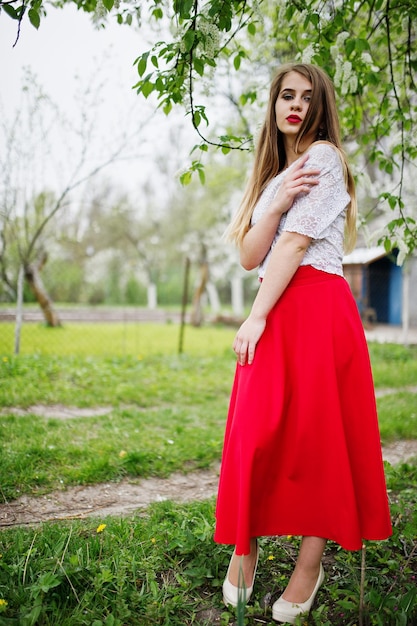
x,y
306,571
243,564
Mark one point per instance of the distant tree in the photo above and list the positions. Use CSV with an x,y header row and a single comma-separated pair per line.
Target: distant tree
x,y
36,185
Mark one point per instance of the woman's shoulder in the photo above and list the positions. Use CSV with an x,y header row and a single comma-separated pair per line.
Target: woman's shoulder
x,y
324,153
324,148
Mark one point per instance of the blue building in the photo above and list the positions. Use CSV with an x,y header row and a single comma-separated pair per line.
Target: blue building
x,y
377,283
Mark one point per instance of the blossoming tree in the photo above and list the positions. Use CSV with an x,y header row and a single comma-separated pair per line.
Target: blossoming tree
x,y
368,48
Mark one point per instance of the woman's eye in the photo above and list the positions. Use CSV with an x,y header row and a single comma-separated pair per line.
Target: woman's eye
x,y
287,96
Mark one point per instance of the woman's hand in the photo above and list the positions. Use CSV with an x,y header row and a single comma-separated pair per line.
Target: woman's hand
x,y
247,337
296,181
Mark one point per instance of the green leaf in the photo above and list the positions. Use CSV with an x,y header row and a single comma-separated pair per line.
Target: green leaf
x,y
158,13
167,108
147,88
143,63
315,19
198,66
185,179
236,61
34,18
392,201
202,111
372,78
361,45
387,245
48,581
183,8
196,119
201,175
189,39
290,11
350,45
252,28
108,4
11,11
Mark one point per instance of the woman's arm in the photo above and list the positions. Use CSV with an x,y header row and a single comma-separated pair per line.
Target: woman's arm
x,y
284,261
258,239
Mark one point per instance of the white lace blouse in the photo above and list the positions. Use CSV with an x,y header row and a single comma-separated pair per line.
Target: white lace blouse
x,y
319,214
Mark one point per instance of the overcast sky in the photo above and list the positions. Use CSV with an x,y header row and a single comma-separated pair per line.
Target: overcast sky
x,y
67,46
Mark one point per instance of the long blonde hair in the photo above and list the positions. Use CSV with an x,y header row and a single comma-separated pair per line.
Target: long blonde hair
x,y
270,153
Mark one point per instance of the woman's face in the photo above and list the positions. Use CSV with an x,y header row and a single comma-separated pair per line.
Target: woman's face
x,y
292,104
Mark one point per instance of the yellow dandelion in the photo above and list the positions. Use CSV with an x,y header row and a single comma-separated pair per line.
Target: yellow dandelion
x,y
153,540
100,528
289,536
271,557
122,454
3,603
5,359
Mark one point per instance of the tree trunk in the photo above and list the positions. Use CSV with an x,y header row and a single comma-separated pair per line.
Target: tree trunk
x,y
152,296
238,305
33,277
213,296
19,310
197,311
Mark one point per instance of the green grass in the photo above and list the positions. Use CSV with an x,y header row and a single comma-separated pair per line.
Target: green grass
x,y
161,413
167,413
119,382
42,454
136,339
394,366
163,568
398,416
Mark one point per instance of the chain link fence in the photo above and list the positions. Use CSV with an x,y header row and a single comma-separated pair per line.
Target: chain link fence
x,y
383,292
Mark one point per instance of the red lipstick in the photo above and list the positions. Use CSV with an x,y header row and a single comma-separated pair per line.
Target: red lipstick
x,y
294,119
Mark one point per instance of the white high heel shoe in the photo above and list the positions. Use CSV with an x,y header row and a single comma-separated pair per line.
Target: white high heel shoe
x,y
284,611
231,594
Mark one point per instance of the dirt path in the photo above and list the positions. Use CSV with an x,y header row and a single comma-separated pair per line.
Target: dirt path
x,y
101,500
127,496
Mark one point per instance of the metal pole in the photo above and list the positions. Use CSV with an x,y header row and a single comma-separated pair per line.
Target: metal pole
x,y
184,303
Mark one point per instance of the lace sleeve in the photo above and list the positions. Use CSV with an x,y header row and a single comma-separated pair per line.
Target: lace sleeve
x,y
312,214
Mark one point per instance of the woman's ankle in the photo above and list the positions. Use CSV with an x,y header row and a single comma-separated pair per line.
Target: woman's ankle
x,y
301,584
243,565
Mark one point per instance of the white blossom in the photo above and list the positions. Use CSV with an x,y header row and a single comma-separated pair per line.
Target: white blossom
x,y
403,251
338,75
101,11
341,38
345,77
211,37
366,58
339,44
308,53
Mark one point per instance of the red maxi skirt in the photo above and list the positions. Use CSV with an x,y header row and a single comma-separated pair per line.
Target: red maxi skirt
x,y
302,452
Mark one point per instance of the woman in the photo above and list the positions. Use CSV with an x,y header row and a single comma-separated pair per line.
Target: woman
x,y
302,452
